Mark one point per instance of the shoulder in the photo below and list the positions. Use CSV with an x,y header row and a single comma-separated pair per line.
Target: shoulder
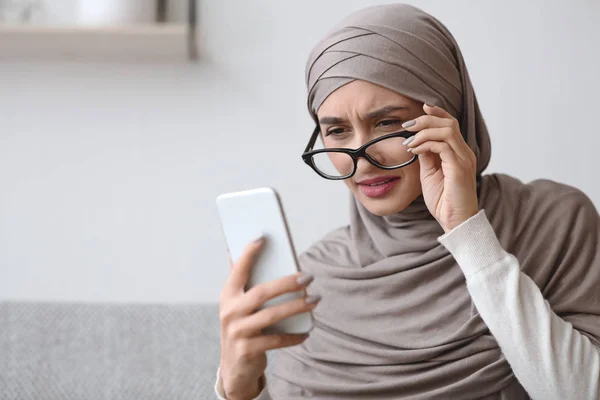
x,y
558,212
560,197
539,195
531,215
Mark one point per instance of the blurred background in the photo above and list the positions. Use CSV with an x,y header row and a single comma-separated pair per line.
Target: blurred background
x,y
111,159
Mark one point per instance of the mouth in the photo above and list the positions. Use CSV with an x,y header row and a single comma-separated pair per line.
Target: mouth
x,y
379,183
378,187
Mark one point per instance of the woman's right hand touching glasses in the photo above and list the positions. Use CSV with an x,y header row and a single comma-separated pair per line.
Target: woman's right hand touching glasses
x,y
243,344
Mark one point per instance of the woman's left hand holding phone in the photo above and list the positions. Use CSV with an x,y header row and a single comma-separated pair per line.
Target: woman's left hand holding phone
x,y
243,343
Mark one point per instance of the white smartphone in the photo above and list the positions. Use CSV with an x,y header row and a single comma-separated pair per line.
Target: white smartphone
x,y
248,215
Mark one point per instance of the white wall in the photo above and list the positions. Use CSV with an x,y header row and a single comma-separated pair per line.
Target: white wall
x,y
108,172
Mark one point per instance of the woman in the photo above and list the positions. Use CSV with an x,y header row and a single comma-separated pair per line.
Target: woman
x,y
446,284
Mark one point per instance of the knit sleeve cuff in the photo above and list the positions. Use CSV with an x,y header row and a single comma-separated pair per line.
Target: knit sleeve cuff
x,y
474,244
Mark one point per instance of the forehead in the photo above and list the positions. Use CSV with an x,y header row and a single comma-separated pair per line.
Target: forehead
x,y
361,96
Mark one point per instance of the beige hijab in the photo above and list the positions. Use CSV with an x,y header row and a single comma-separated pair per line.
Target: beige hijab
x,y
396,320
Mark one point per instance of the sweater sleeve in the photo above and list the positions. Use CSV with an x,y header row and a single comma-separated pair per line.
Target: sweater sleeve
x,y
550,358
263,395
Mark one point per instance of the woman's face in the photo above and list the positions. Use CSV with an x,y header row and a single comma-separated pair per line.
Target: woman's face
x,y
357,113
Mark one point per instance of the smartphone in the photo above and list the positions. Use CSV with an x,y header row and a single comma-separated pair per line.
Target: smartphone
x,y
246,216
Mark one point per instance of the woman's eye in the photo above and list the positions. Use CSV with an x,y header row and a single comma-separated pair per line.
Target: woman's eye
x,y
388,122
335,131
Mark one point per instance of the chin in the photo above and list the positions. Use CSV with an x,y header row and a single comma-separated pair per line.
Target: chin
x,y
383,208
393,203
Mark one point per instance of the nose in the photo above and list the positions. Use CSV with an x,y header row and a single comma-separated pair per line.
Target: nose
x,y
364,166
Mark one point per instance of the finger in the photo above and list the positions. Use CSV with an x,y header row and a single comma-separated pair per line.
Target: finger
x,y
436,111
456,141
443,149
257,296
255,323
427,121
439,112
261,344
434,134
240,271
429,163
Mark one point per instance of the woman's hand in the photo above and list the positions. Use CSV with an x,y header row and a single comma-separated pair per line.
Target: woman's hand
x,y
243,345
448,167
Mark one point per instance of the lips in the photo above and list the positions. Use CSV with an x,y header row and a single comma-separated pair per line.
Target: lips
x,y
376,181
378,187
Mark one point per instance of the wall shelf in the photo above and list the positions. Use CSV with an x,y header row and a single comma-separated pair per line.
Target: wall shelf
x,y
156,42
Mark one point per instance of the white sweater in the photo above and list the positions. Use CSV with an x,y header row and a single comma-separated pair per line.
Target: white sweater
x,y
548,356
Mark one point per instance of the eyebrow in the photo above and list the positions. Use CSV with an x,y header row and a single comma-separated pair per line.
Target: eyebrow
x,y
372,115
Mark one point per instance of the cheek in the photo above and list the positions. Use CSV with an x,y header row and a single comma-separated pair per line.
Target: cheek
x,y
341,162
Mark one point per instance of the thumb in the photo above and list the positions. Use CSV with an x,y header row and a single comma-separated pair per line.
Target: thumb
x,y
428,163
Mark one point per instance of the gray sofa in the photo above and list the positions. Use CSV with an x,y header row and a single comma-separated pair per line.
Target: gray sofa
x,y
107,351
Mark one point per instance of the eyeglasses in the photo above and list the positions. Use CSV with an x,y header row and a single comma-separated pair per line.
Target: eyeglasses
x,y
386,152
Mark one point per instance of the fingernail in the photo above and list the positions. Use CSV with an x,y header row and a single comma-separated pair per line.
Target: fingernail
x,y
312,299
305,279
429,105
410,149
408,124
408,141
259,240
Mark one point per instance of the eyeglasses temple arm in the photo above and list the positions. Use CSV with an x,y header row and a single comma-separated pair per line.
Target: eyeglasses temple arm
x,y
313,139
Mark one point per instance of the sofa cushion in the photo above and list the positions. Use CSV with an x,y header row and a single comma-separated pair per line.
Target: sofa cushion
x,y
107,351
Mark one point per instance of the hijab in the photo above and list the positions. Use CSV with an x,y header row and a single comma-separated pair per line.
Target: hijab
x,y
396,319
